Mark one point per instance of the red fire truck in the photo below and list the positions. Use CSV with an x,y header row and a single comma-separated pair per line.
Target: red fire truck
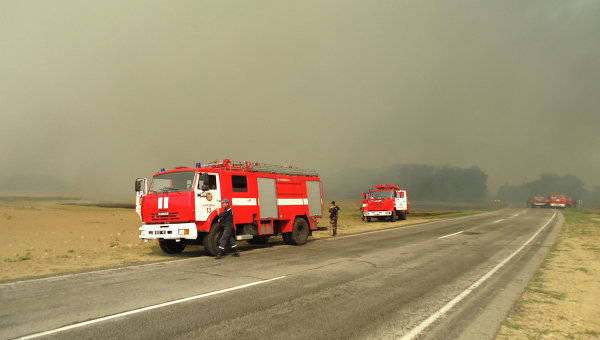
x,y
385,201
557,200
180,206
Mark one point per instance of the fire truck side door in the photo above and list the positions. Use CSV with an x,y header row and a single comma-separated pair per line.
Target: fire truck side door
x,y
400,200
207,200
267,198
315,205
141,189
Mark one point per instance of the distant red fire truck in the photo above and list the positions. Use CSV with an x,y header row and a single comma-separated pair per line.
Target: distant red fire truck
x,y
385,202
557,200
180,206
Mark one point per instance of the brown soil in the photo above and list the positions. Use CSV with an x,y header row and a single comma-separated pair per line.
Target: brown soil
x,y
44,237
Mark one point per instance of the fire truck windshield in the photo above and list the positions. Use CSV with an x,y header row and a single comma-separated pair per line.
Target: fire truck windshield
x,y
172,182
382,194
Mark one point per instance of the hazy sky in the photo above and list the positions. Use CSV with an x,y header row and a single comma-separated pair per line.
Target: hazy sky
x,y
98,93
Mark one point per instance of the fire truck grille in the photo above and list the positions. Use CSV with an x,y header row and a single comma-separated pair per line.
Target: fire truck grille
x,y
172,216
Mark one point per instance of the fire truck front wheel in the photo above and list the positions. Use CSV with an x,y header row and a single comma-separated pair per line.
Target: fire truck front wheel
x,y
393,216
171,246
300,231
403,215
211,241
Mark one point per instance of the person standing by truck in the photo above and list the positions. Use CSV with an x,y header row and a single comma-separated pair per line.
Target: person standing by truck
x,y
333,217
226,221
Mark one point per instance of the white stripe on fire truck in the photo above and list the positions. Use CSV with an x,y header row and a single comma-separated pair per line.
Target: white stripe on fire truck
x,y
291,201
243,201
163,203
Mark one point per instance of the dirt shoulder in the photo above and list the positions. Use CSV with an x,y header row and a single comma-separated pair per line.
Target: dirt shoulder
x,y
44,237
562,301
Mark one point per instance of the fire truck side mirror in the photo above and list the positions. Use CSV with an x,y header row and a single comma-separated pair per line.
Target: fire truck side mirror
x,y
140,185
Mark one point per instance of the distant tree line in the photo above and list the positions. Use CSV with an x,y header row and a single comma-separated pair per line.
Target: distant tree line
x,y
546,183
423,182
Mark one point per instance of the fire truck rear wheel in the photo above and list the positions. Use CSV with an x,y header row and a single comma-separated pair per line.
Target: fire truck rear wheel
x,y
403,215
300,231
211,241
171,246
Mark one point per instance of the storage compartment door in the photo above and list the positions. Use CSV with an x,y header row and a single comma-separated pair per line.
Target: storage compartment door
x,y
315,205
267,198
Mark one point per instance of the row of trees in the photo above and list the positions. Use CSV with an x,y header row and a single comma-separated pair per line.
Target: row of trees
x,y
451,184
567,184
423,182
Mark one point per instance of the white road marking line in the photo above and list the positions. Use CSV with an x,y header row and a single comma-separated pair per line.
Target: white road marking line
x,y
500,220
58,277
135,311
431,319
402,227
460,232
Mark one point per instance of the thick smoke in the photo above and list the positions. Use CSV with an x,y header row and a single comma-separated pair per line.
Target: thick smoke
x,y
95,94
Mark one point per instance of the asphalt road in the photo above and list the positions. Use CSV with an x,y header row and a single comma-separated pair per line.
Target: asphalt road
x,y
452,279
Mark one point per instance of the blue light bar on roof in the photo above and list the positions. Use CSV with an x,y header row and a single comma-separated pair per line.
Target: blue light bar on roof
x,y
198,165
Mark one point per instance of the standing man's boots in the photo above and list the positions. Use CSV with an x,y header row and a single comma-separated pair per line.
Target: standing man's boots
x,y
219,255
235,252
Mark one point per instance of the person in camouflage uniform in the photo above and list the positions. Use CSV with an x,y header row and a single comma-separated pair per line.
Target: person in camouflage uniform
x,y
333,217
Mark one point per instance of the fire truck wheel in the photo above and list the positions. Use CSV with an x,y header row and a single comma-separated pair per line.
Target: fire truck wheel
x,y
368,219
171,246
300,231
393,217
287,238
403,215
211,241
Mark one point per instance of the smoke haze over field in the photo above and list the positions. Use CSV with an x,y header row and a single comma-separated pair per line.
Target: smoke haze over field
x,y
94,94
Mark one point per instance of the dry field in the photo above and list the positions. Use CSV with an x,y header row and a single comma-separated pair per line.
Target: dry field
x,y
47,236
562,301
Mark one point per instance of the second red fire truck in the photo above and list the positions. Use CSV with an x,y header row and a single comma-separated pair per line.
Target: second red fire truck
x,y
180,205
385,202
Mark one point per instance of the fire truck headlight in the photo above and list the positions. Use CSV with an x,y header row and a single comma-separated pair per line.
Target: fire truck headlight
x,y
181,232
184,231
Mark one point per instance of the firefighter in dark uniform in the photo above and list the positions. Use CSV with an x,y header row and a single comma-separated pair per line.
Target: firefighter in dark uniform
x,y
333,217
226,221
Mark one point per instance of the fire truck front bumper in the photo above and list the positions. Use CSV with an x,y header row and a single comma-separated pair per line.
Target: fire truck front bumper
x,y
169,231
557,205
377,213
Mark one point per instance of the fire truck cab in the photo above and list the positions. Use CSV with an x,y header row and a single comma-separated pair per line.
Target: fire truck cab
x,y
385,202
181,205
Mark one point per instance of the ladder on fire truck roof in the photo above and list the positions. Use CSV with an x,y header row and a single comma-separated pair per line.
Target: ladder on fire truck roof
x,y
263,167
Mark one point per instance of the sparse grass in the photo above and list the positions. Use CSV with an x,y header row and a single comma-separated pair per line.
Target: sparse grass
x,y
512,325
547,293
7,216
71,250
114,243
19,258
592,333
